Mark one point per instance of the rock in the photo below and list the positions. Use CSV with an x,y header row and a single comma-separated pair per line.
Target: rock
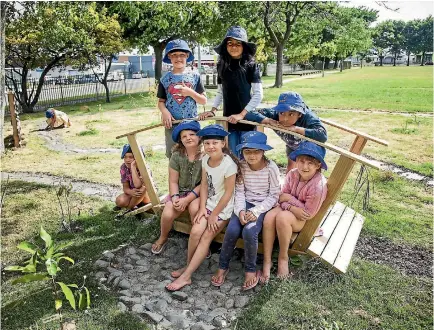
x,y
114,275
125,299
181,296
124,284
144,253
102,280
113,270
241,301
122,307
235,265
116,282
201,304
127,293
205,317
215,299
146,247
137,308
204,284
178,321
234,291
154,316
137,287
171,251
131,251
232,276
162,285
161,306
217,312
220,322
226,287
101,264
99,275
202,326
142,269
128,267
159,260
229,303
166,296
165,324
190,300
142,262
215,257
135,257
136,300
108,255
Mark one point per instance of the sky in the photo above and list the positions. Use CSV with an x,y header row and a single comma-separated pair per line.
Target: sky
x,y
408,10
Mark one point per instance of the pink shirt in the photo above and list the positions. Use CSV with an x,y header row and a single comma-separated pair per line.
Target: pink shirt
x,y
308,195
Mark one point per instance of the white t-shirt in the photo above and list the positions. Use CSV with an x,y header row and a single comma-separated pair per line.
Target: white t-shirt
x,y
216,184
61,119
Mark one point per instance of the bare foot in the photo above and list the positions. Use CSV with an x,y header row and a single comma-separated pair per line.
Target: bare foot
x,y
177,273
178,284
250,281
219,277
158,246
283,269
265,275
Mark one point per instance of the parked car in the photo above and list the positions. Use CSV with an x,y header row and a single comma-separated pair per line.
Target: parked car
x,y
136,75
115,76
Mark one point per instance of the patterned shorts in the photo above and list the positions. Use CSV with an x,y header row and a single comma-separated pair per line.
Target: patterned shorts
x,y
209,212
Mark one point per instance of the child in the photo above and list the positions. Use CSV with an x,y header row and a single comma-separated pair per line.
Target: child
x,y
239,83
254,197
293,114
133,187
185,173
179,90
56,119
216,200
303,193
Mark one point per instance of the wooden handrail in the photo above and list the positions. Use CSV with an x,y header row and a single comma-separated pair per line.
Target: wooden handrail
x,y
326,145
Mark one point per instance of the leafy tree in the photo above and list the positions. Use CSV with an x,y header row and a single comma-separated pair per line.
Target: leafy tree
x,y
382,36
326,49
397,43
410,38
425,37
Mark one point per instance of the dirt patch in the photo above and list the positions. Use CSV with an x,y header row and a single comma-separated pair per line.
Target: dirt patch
x,y
409,260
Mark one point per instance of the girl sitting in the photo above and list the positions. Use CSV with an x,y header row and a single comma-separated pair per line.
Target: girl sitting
x,y
185,170
254,197
133,187
216,200
303,193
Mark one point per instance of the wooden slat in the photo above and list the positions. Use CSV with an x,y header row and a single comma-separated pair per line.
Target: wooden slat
x,y
347,249
319,243
139,210
353,131
334,244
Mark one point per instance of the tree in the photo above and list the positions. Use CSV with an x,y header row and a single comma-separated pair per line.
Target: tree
x,y
5,8
326,49
410,38
425,37
397,42
382,36
45,35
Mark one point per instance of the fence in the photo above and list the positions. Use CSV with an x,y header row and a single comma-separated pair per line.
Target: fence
x,y
83,88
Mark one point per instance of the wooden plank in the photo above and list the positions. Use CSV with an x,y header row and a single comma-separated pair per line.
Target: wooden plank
x,y
142,209
353,131
347,249
334,244
319,243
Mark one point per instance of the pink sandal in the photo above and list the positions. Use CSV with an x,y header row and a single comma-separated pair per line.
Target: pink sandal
x,y
219,284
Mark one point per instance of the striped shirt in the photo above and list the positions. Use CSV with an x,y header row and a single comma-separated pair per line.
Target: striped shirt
x,y
261,188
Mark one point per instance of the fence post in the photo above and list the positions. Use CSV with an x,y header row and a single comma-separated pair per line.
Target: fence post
x,y
61,93
96,89
15,121
207,80
125,83
214,79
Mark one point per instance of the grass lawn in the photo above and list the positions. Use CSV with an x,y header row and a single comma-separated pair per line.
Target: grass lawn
x,y
401,88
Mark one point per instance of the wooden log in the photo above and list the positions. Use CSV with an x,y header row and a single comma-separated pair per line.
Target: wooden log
x,y
16,129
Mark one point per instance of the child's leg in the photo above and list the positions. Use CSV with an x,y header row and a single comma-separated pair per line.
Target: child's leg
x,y
232,233
233,141
169,141
193,207
198,257
250,237
123,200
286,224
268,236
167,217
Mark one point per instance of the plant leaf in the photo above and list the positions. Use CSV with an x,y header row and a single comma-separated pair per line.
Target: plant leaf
x,y
14,268
27,246
73,286
58,304
296,261
46,237
88,297
51,265
31,268
68,294
31,278
81,302
68,259
62,246
50,252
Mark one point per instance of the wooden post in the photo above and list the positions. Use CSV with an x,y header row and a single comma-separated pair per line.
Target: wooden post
x,y
149,183
335,183
16,127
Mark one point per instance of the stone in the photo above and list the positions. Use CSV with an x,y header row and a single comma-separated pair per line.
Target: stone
x,y
162,285
122,307
234,291
229,303
241,301
102,280
215,257
204,284
190,300
127,293
125,299
171,251
116,282
158,260
112,270
137,308
216,299
136,300
205,317
202,326
217,312
128,267
101,264
177,321
154,316
187,313
142,262
235,265
99,275
226,287
220,322
124,284
166,296
108,255
137,287
165,324
179,295
144,253
113,276
146,247
135,257
232,276
131,251
201,304
161,306
142,269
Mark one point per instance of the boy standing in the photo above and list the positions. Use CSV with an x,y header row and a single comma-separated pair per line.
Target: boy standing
x,y
179,90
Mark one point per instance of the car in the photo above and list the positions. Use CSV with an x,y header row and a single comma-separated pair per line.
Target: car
x,y
136,75
429,63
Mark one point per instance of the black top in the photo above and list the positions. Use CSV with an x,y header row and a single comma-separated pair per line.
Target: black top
x,y
236,86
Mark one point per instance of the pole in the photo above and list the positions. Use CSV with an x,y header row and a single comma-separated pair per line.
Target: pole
x,y
199,65
14,121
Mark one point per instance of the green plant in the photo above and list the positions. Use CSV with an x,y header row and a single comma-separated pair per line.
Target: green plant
x,y
89,131
50,256
64,190
405,129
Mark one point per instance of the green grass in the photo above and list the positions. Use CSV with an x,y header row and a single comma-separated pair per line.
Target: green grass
x,y
408,89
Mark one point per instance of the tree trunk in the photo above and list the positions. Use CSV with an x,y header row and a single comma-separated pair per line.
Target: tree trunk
x,y
342,64
381,60
104,82
408,58
264,69
335,66
323,63
423,59
327,62
394,59
279,67
107,91
158,50
2,73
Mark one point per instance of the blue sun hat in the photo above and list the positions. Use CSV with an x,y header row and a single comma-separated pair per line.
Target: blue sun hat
x,y
214,131
127,148
290,101
191,125
254,140
177,45
310,149
49,113
240,34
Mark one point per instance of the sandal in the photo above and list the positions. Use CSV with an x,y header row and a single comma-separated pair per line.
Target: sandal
x,y
219,284
251,286
209,254
160,248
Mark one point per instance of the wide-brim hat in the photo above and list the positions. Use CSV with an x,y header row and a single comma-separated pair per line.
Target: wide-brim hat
x,y
177,45
214,130
237,33
127,148
310,149
290,101
254,140
191,125
49,113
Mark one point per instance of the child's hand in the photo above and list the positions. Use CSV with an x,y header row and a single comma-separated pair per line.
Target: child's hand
x,y
206,114
269,121
212,223
180,204
166,119
137,192
184,90
233,119
242,218
201,213
133,163
299,213
250,217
